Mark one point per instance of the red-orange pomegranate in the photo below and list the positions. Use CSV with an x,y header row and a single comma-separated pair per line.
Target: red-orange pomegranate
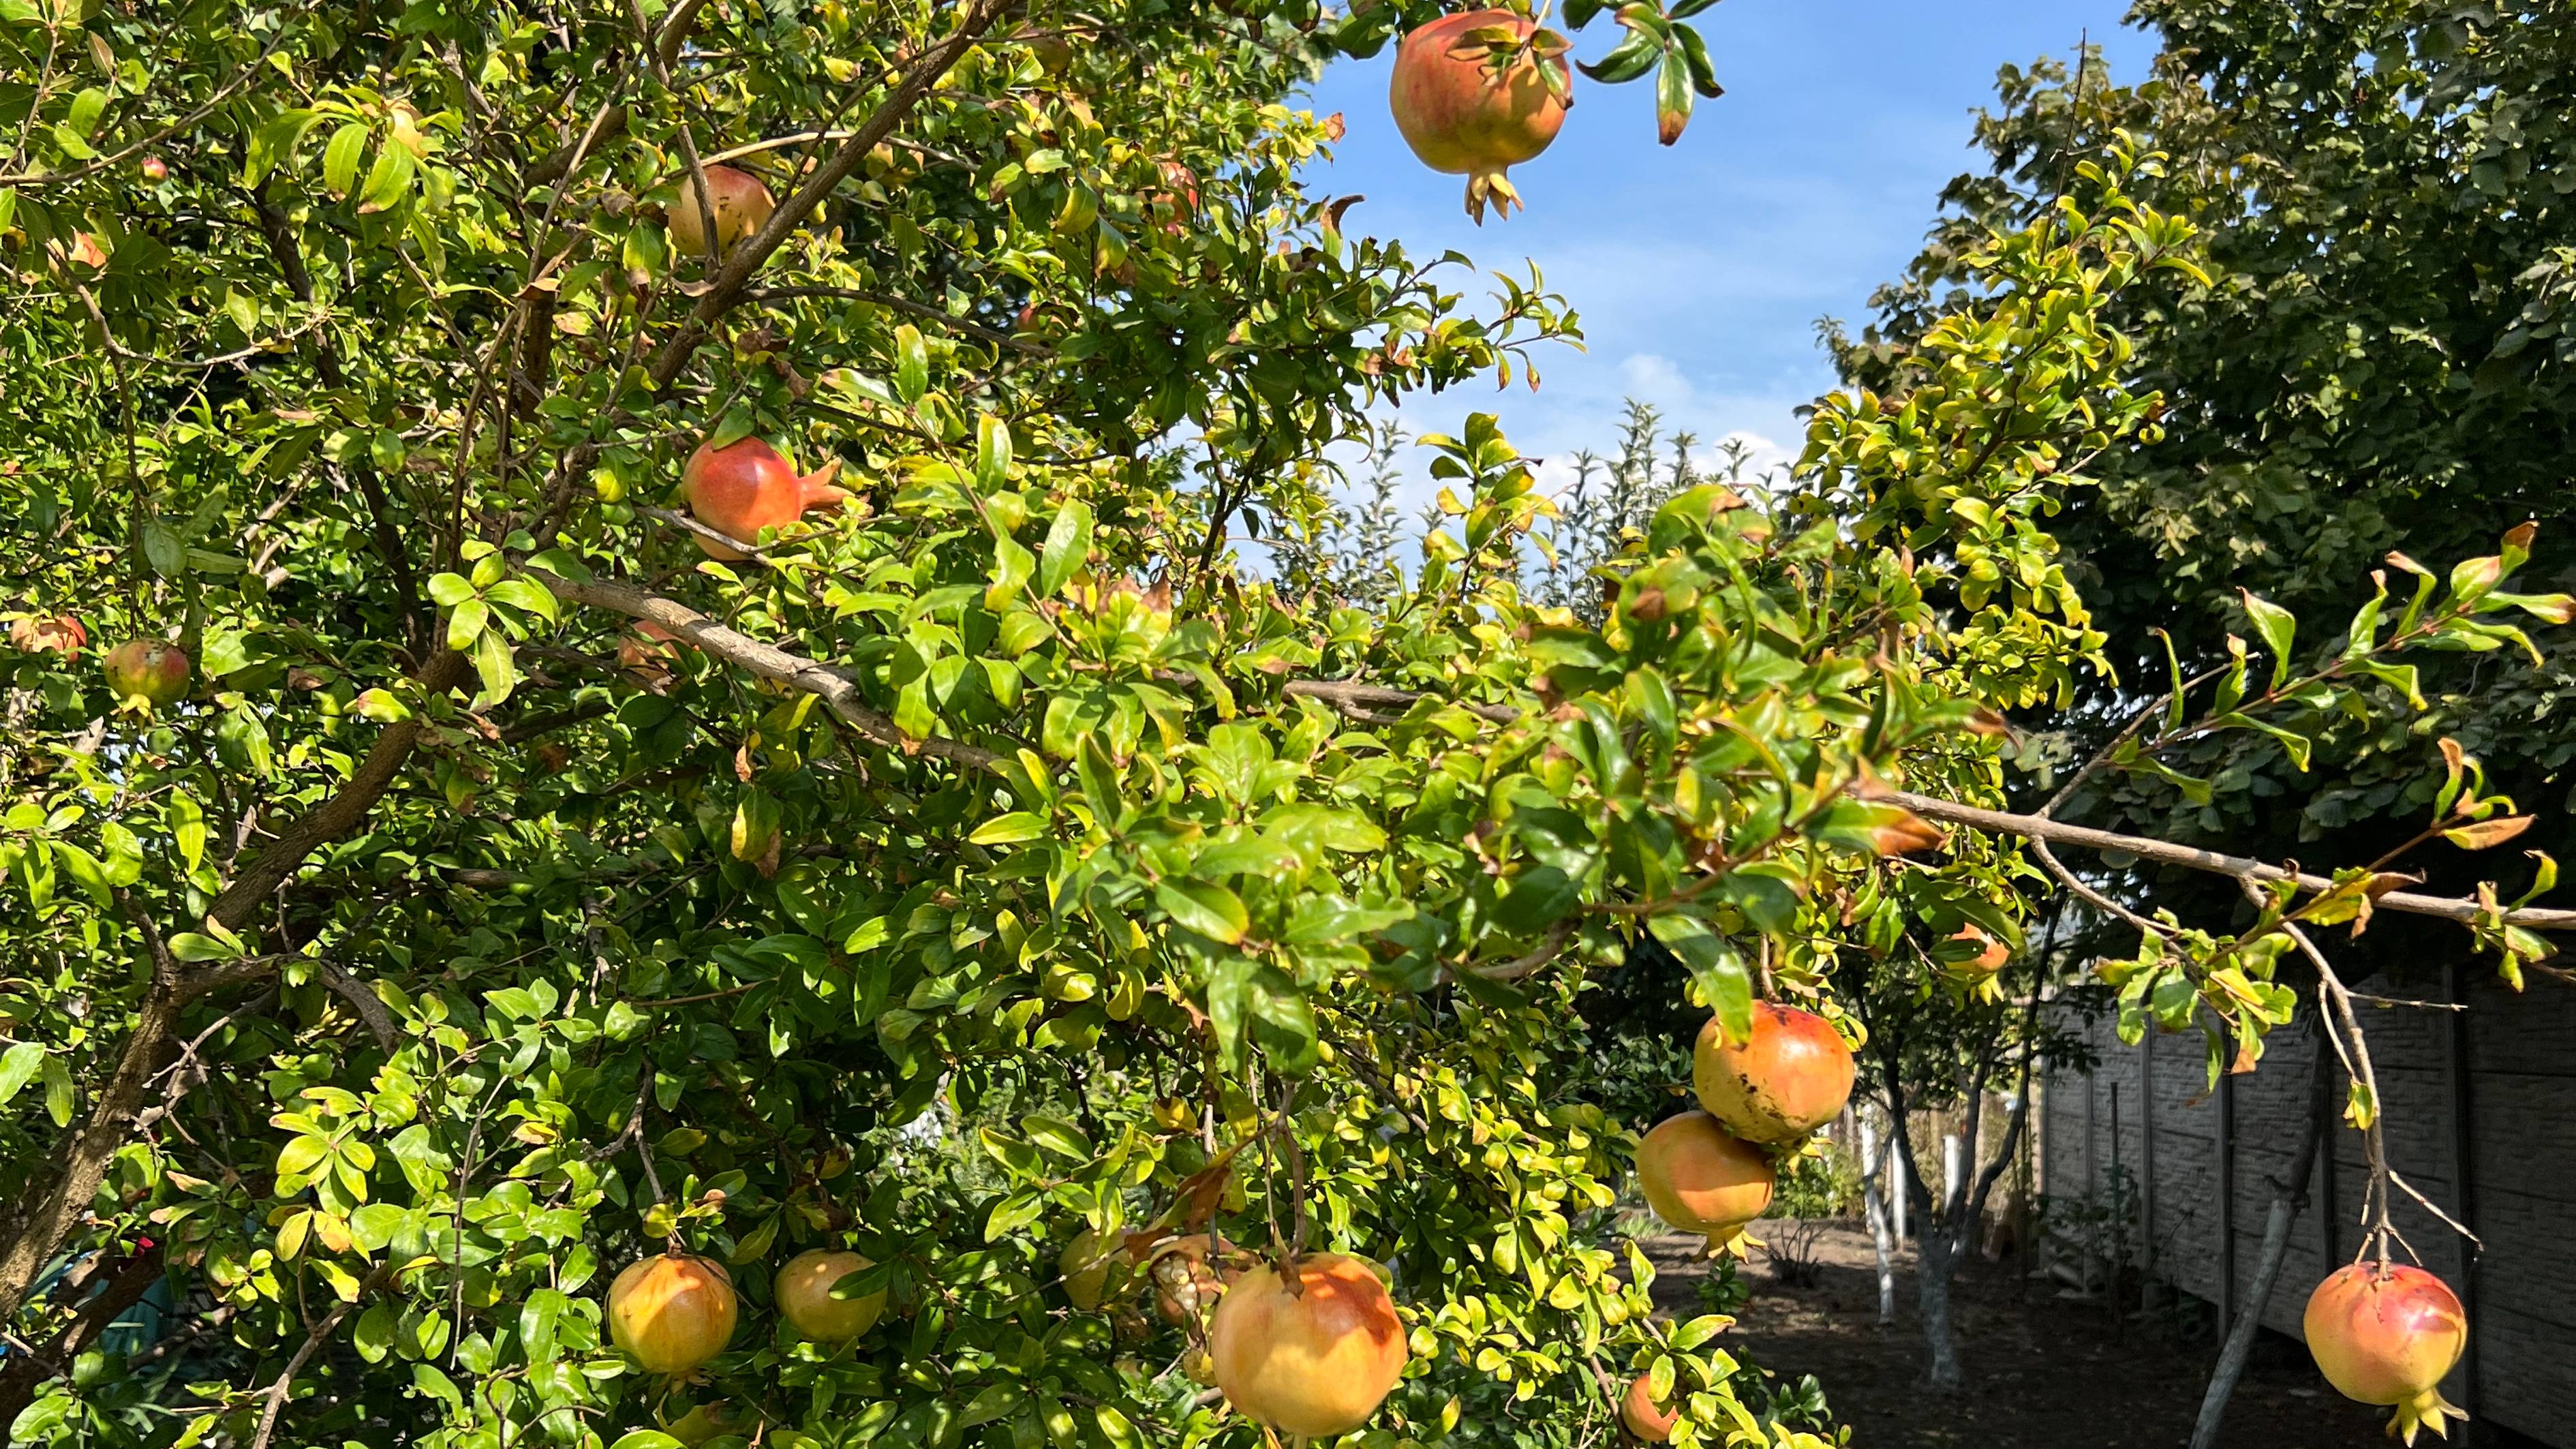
x,y
1316,1360
2389,1340
1462,117
1792,1076
741,205
61,634
746,486
1990,957
672,1312
1643,1416
1700,1178
148,669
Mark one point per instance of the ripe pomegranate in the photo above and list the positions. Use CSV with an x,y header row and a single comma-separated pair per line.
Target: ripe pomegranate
x,y
149,670
1702,1180
804,1291
1314,1359
2388,1338
672,1312
1987,961
1186,1281
1086,1263
1638,1411
1792,1077
741,204
1461,117
62,634
746,486
154,168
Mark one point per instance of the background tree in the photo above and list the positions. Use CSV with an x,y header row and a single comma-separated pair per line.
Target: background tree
x,y
2379,362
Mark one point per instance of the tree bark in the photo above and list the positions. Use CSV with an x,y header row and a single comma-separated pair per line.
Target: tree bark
x,y
1936,1260
2288,1198
1874,1205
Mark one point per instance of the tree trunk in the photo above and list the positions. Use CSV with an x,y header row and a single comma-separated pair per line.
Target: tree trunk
x,y
1936,1261
2287,1199
1873,1176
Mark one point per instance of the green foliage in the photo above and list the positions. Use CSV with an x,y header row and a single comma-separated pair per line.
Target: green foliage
x,y
2376,360
987,861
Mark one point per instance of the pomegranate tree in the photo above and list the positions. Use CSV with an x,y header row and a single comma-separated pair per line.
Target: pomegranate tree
x,y
1701,1179
746,486
1790,1076
149,670
1644,1417
672,1312
740,203
1477,93
2388,1336
1310,1351
804,1291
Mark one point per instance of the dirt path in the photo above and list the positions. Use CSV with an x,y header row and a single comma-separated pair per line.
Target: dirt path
x,y
2043,1372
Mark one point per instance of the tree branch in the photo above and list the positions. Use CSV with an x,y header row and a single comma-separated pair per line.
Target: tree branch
x,y
798,210
2033,827
838,690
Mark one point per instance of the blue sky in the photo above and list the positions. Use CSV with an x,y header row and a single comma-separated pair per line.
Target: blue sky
x,y
1700,270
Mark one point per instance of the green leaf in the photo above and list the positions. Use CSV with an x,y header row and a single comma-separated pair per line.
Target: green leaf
x,y
388,179
1538,898
497,664
1067,548
911,364
1009,829
190,946
340,159
1209,909
2278,626
18,1068
992,453
1718,968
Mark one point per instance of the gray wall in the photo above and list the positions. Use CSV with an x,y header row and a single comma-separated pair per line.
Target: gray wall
x,y
2511,1071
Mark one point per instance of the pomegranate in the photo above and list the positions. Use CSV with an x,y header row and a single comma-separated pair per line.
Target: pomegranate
x,y
672,1312
1702,1180
746,486
148,670
62,634
1314,1358
1638,1410
1086,1263
740,202
154,169
1790,1078
1988,960
804,1291
2388,1338
1189,1277
1462,116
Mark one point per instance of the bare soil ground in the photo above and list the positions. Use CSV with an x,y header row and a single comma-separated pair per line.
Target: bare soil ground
x,y
2044,1372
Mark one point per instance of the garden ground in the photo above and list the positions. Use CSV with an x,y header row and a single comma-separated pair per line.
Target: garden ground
x,y
2044,1372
